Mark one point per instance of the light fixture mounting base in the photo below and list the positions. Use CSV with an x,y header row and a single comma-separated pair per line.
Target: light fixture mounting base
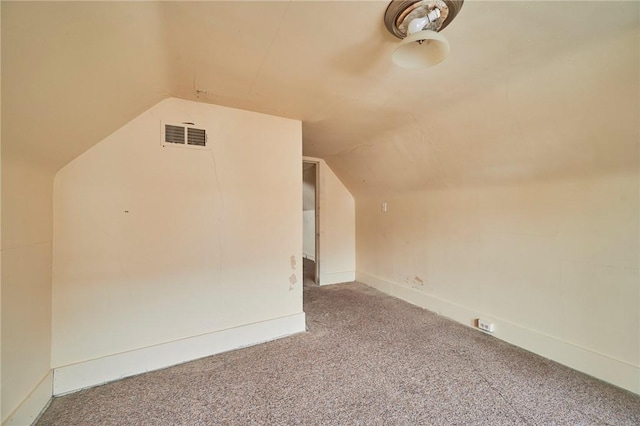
x,y
400,12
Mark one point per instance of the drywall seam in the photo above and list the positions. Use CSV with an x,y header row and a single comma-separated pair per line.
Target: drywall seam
x,y
74,377
600,366
34,404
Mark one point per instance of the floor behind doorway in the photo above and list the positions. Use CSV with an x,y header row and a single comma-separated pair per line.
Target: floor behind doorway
x,y
309,272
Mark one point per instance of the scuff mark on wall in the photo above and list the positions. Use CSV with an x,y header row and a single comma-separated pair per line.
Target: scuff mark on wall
x,y
415,282
292,278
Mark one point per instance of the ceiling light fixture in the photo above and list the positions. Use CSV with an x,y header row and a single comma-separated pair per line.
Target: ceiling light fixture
x,y
418,23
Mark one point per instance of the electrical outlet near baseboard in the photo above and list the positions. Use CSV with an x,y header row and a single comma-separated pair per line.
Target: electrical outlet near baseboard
x,y
485,325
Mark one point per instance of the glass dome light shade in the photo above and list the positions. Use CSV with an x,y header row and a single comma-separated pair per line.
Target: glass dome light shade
x,y
422,49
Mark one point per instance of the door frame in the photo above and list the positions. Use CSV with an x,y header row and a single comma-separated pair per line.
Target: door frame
x,y
317,215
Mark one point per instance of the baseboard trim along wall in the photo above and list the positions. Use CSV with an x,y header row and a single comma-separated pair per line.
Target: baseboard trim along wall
x,y
595,364
34,404
72,378
337,277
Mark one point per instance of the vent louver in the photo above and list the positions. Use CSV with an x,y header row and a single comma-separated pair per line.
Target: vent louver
x,y
183,135
173,134
196,137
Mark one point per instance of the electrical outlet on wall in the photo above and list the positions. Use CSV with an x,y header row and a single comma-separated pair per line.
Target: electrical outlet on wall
x,y
485,325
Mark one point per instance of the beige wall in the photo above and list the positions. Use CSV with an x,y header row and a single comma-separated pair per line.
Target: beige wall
x,y
337,250
26,280
1,418
553,264
68,80
153,245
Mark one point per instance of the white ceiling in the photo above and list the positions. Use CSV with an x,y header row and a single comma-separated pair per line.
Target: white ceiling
x,y
532,90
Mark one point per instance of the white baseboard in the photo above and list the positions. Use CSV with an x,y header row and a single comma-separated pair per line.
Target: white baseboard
x,y
86,374
33,405
336,277
603,367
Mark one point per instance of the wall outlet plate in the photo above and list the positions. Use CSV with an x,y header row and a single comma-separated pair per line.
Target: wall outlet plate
x,y
485,325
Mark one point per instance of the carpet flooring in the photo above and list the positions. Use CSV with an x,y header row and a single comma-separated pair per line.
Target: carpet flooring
x,y
367,359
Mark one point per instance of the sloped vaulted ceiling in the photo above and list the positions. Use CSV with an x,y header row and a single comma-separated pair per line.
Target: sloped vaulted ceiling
x,y
532,90
73,72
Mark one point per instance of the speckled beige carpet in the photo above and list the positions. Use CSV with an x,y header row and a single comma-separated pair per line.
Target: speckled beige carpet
x,y
367,359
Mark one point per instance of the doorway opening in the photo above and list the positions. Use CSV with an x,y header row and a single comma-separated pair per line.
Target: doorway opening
x,y
310,243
